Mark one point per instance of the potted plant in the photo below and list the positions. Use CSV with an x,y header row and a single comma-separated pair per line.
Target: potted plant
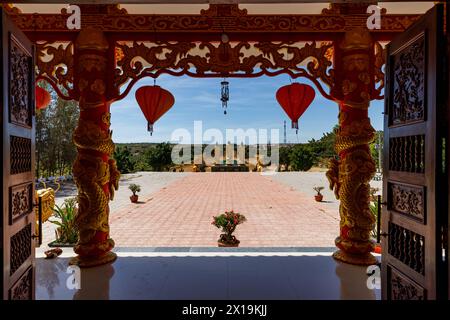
x,y
134,188
373,205
66,233
318,196
228,221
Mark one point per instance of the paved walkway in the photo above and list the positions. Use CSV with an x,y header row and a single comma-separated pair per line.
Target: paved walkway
x,y
180,215
149,181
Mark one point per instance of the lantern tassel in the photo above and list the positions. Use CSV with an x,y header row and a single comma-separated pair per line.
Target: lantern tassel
x,y
150,128
295,126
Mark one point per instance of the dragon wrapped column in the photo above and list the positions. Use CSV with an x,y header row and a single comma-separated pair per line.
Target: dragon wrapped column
x,y
95,173
350,174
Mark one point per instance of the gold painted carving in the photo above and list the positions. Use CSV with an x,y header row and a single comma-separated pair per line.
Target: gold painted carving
x,y
138,60
95,175
216,19
349,178
55,65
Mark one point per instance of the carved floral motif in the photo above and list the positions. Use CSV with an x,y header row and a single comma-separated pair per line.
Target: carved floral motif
x,y
23,288
19,84
217,18
380,60
55,65
401,288
408,84
21,201
137,60
407,200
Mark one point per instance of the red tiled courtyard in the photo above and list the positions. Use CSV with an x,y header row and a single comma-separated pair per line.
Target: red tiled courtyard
x,y
180,214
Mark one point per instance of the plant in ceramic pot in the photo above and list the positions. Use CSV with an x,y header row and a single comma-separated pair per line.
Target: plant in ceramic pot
x,y
228,221
134,188
373,205
318,196
66,233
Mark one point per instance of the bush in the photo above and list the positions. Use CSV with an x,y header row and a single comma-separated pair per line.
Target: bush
x,y
134,188
124,160
159,158
301,158
228,221
284,155
66,231
318,189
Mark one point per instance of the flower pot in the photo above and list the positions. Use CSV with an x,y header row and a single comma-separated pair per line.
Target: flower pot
x,y
318,197
227,241
56,244
134,198
377,248
223,244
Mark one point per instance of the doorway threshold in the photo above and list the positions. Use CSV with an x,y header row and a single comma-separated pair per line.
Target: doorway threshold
x,y
221,249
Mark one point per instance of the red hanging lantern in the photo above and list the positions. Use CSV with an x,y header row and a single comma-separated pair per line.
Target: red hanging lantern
x,y
42,98
295,99
154,102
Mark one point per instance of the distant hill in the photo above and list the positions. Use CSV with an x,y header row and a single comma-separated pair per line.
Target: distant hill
x,y
136,148
140,147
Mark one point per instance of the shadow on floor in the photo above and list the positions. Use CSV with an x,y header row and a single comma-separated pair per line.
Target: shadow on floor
x,y
207,277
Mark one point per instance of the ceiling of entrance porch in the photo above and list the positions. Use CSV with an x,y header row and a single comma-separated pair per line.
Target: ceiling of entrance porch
x,y
252,8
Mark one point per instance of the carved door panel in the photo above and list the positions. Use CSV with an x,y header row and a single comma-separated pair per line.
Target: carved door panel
x,y
414,182
18,126
448,149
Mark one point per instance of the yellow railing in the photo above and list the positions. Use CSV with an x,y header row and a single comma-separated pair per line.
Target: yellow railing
x,y
47,198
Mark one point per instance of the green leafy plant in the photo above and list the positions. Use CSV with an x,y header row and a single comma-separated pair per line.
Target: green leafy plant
x,y
301,157
373,206
124,160
318,189
134,188
159,157
374,209
228,221
373,194
66,232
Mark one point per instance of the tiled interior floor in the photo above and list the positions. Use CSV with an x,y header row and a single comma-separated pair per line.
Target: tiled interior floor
x,y
216,276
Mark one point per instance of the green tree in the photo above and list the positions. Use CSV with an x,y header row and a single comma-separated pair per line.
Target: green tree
x,y
159,158
55,151
124,160
323,149
301,157
284,155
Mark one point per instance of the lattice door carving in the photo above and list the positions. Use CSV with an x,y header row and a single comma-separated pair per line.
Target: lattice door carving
x,y
415,183
17,120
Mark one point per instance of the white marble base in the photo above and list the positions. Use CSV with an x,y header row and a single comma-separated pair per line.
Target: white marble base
x,y
223,275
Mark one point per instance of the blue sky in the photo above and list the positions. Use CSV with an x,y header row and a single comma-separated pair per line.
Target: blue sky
x,y
252,105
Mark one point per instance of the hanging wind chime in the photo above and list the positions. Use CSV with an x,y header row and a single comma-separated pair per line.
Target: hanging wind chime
x,y
295,99
225,95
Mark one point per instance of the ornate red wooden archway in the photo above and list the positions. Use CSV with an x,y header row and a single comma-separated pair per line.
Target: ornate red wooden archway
x,y
115,49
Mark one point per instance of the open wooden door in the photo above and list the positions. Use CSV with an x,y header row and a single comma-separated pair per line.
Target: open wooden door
x,y
18,126
447,19
415,186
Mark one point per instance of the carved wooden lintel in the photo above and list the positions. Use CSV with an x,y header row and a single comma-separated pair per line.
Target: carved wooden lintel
x,y
217,19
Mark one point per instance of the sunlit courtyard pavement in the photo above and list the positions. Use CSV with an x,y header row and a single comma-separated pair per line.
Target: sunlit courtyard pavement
x,y
176,209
